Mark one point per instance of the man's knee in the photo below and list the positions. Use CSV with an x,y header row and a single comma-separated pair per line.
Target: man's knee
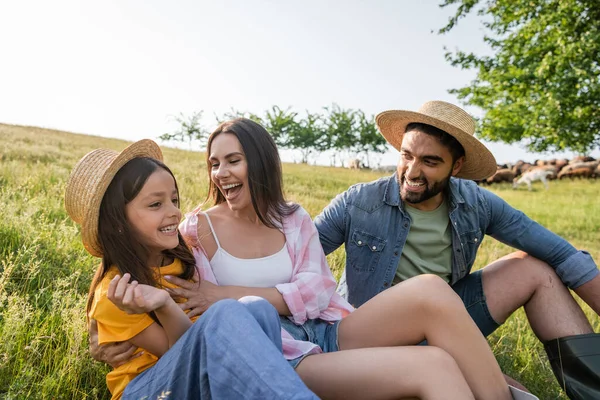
x,y
538,272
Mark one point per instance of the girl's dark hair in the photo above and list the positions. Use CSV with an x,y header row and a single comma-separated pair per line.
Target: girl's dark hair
x,y
264,171
456,149
116,236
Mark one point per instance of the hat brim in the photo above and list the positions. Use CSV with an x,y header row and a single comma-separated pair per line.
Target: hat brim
x,y
89,225
479,163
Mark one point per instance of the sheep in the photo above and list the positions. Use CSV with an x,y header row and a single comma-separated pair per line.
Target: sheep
x,y
560,164
501,175
521,167
582,172
536,174
354,163
578,166
578,159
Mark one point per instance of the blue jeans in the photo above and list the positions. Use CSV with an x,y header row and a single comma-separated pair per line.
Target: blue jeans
x,y
233,351
322,333
470,290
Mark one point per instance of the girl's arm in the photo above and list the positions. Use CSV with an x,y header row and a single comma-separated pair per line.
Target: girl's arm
x,y
134,298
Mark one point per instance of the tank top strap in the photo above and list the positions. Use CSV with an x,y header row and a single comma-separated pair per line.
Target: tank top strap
x,y
212,230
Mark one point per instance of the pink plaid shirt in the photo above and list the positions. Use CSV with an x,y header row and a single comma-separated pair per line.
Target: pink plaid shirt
x,y
310,294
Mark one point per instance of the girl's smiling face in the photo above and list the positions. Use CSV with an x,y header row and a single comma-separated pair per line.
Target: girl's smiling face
x,y
154,214
229,171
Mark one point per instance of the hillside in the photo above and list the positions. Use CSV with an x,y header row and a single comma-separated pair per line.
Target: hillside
x,y
45,273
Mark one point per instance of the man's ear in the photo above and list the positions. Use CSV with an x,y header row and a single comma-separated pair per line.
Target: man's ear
x,y
458,165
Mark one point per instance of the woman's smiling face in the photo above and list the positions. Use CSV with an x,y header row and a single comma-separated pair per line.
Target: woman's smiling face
x,y
229,171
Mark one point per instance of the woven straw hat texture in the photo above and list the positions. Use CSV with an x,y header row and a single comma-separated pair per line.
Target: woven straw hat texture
x,y
479,161
89,180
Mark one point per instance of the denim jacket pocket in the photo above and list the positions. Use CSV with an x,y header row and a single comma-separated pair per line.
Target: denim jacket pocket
x,y
364,251
470,243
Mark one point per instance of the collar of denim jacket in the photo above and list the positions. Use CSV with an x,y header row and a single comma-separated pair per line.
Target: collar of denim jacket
x,y
454,189
391,194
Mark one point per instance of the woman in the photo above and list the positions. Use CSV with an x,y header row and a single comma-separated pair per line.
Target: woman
x,y
252,242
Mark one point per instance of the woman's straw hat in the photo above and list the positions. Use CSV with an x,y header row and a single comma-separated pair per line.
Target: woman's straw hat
x,y
479,161
88,183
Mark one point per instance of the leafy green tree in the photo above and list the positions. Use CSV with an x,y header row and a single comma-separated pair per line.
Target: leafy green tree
x,y
541,85
307,136
369,138
281,124
340,130
190,129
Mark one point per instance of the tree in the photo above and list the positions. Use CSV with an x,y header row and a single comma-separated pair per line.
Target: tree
x,y
369,138
190,129
280,124
340,129
307,136
542,84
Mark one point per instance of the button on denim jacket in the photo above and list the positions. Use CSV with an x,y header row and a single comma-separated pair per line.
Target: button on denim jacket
x,y
370,220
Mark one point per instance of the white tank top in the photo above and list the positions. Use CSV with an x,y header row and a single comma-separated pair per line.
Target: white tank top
x,y
264,272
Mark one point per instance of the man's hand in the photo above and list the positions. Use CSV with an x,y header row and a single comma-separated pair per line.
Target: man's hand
x,y
199,295
114,354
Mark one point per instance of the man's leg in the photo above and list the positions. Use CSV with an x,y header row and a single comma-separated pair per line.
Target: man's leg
x,y
226,354
521,280
555,317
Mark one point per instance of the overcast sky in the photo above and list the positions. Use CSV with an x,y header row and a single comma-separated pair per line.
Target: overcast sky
x,y
120,68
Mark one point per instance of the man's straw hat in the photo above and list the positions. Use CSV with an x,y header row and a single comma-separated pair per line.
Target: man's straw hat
x,y
88,183
479,161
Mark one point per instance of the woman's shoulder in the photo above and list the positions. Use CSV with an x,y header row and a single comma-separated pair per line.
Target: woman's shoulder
x,y
297,219
196,224
299,211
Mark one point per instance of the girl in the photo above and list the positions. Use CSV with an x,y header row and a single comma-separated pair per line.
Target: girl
x,y
128,206
252,242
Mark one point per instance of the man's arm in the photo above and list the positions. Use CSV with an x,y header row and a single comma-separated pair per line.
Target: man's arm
x,y
114,354
575,268
331,223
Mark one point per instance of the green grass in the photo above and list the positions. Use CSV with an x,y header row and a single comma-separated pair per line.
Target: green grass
x,y
45,272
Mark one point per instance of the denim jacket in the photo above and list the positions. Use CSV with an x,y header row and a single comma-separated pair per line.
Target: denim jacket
x,y
370,220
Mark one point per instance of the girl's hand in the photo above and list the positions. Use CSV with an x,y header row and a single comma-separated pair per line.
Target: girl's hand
x,y
135,298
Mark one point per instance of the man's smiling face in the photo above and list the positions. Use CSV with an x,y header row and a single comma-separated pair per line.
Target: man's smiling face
x,y
424,170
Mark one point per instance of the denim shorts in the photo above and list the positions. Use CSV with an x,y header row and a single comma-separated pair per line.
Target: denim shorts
x,y
470,290
319,332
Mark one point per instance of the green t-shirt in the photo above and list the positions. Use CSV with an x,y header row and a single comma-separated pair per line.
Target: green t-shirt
x,y
428,248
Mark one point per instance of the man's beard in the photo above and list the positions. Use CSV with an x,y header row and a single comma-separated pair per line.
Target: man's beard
x,y
430,190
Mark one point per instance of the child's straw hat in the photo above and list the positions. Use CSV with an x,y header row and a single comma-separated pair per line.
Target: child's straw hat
x,y
88,183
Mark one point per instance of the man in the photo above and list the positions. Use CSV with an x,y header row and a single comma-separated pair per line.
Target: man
x,y
425,219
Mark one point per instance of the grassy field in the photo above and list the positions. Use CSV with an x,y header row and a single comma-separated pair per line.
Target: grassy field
x,y
45,272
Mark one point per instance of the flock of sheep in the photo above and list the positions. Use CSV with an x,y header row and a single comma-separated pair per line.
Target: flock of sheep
x,y
543,170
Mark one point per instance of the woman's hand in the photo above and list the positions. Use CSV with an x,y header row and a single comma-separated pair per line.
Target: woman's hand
x,y
199,295
114,354
135,298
